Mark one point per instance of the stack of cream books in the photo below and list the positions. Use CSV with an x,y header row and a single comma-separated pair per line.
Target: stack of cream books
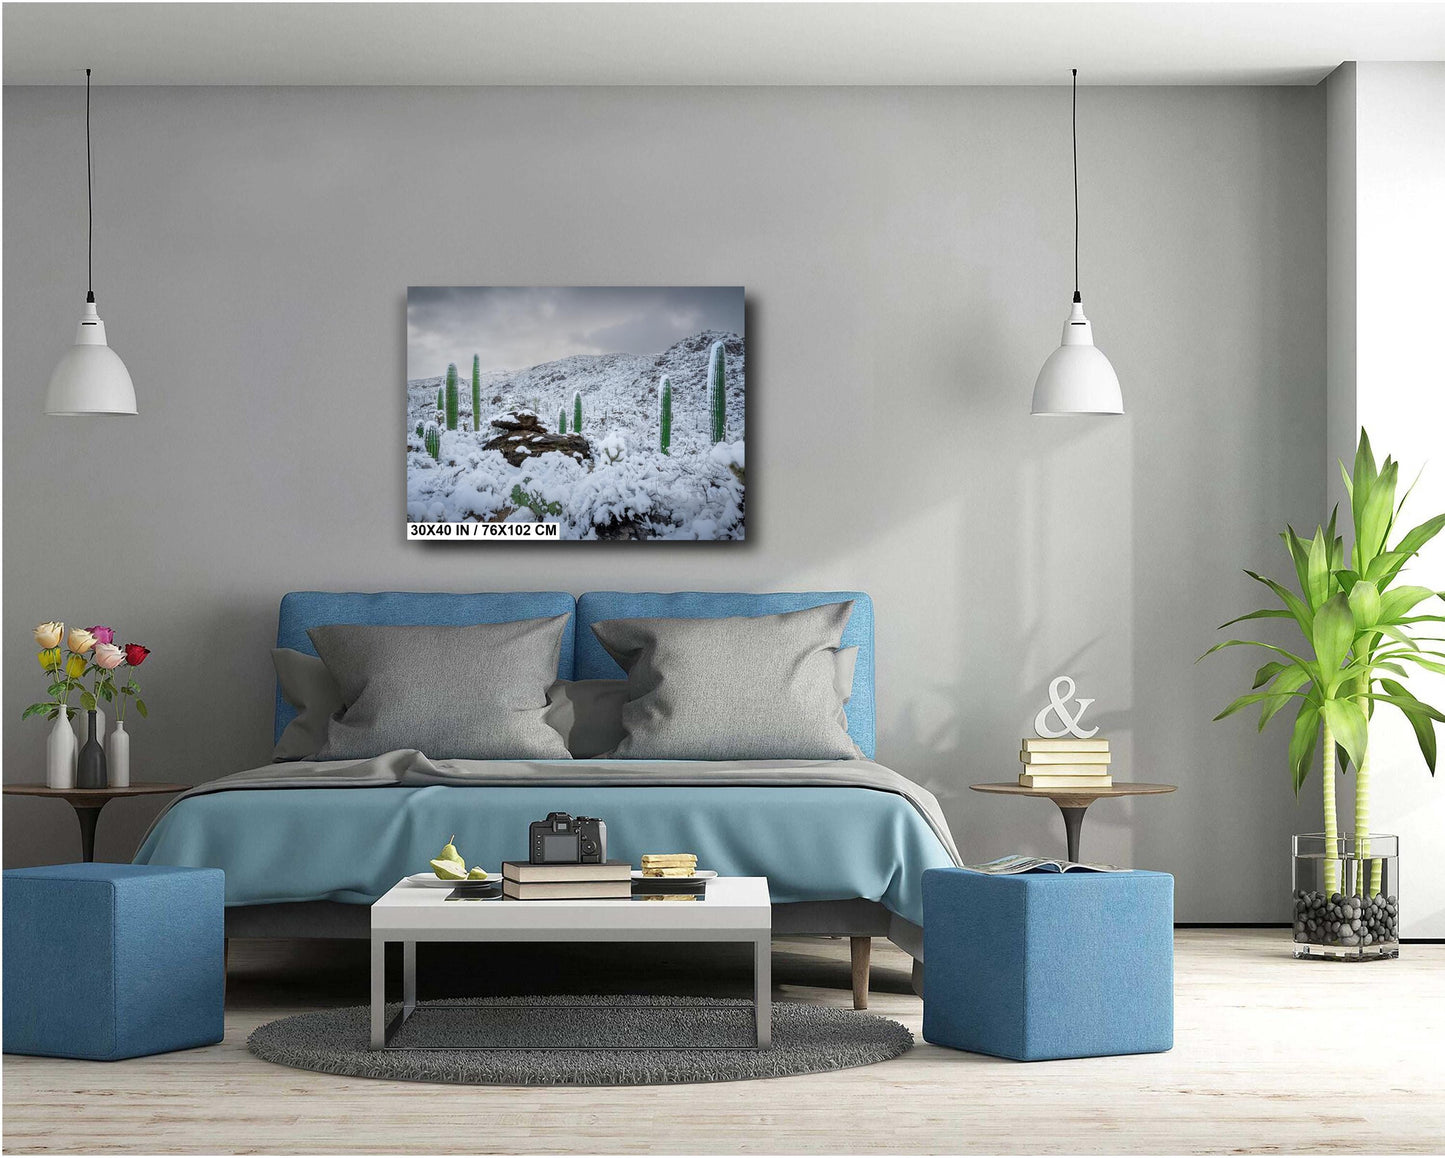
x,y
1065,763
669,864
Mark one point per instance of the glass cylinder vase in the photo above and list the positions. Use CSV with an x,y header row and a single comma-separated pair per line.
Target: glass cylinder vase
x,y
1346,896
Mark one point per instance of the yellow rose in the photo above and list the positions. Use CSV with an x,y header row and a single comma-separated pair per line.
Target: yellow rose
x,y
48,635
79,641
75,666
49,658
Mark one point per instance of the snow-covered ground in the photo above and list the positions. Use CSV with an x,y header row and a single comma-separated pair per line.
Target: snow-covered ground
x,y
629,489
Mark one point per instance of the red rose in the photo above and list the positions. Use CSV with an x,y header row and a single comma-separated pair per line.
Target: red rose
x,y
135,654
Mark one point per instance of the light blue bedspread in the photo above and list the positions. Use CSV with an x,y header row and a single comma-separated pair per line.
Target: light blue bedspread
x,y
813,843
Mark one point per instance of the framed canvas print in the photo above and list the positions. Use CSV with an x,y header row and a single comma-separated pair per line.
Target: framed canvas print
x,y
592,413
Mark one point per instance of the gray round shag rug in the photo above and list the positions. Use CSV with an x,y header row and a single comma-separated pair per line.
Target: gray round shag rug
x,y
631,1030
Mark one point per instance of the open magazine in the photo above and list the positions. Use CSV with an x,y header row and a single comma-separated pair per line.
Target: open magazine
x,y
1007,865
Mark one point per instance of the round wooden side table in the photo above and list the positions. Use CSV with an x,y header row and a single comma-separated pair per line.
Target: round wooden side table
x,y
88,802
1073,802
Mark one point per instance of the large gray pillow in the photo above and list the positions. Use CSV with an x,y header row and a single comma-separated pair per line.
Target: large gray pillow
x,y
309,688
455,693
739,688
587,714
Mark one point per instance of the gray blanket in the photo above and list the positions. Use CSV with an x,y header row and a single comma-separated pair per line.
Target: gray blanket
x,y
407,767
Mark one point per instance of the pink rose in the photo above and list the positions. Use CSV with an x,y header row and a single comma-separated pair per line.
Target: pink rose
x,y
103,634
108,656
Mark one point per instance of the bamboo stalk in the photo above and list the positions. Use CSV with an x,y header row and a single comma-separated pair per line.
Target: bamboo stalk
x,y
1362,822
1332,833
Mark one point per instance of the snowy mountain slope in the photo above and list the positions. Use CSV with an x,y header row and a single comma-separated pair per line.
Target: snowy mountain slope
x,y
629,488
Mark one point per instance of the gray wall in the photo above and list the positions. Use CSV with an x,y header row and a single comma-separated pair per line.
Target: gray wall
x,y
906,253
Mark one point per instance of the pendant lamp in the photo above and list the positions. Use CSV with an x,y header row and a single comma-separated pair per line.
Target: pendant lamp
x,y
1077,378
91,378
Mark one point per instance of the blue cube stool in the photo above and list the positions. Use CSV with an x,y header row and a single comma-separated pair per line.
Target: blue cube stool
x,y
109,961
1048,965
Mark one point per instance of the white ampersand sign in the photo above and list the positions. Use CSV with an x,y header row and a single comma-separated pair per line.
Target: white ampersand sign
x,y
1061,690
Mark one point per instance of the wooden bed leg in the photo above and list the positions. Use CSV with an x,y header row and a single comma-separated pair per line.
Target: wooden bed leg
x,y
918,978
862,949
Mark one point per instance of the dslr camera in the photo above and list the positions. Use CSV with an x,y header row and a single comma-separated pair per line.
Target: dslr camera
x,y
566,839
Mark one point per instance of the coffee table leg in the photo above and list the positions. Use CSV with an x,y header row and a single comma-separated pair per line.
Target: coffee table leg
x,y
408,977
87,815
1073,822
763,989
378,993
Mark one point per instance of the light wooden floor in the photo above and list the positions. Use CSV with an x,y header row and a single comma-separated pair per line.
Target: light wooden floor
x,y
1270,1055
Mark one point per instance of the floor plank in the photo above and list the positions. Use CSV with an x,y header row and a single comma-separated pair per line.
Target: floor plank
x,y
1271,1055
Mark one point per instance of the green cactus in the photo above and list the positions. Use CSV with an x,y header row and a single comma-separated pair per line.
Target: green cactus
x,y
452,396
441,401
562,421
476,391
421,429
664,413
717,390
434,442
576,412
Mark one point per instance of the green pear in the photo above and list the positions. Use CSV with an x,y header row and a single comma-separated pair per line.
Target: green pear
x,y
477,874
448,863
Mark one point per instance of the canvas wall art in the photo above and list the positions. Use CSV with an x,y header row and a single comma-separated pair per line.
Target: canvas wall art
x,y
586,413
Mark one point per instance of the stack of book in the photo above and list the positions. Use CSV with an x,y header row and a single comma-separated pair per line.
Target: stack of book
x,y
524,881
1065,763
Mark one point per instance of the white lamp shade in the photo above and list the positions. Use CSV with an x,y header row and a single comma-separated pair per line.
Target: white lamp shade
x,y
1077,378
91,378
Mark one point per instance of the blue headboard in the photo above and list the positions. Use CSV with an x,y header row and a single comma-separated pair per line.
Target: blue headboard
x,y
594,663
303,609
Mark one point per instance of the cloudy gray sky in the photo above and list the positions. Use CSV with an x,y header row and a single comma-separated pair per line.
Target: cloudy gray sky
x,y
513,328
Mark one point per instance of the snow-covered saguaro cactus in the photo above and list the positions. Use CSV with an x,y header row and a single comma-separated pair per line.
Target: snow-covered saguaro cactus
x,y
562,421
451,396
576,412
664,414
433,439
476,391
441,403
717,391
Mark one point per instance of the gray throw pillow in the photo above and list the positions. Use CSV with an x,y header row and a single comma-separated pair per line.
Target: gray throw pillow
x,y
739,688
587,714
455,693
308,687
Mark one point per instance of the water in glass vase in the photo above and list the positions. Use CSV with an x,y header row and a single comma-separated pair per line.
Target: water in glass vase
x,y
1346,897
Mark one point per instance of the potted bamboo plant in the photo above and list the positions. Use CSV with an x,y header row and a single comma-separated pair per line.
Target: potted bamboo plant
x,y
1365,634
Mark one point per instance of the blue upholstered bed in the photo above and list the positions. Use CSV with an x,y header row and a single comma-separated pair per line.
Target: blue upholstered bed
x,y
841,858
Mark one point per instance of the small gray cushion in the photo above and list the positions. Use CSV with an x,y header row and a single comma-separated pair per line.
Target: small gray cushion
x,y
309,688
587,714
738,688
455,693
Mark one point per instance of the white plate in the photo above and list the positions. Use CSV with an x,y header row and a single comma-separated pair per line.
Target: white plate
x,y
698,875
432,881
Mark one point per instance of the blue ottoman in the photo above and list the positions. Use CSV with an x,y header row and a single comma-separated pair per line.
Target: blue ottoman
x,y
1048,965
109,961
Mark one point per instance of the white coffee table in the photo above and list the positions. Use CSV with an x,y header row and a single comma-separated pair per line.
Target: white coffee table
x,y
732,909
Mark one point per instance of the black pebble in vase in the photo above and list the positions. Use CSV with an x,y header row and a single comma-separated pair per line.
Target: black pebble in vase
x,y
90,769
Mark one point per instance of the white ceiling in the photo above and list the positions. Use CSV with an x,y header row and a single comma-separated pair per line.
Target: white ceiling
x,y
708,43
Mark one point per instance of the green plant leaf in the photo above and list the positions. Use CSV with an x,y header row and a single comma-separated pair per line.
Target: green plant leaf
x,y
1256,698
1299,555
1290,680
1334,631
1302,743
1399,601
1262,613
140,706
1308,666
87,702
36,709
1365,604
1297,606
1347,721
1420,721
1317,589
1267,673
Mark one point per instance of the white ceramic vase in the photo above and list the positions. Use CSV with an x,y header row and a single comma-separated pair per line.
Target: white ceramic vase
x,y
61,750
117,756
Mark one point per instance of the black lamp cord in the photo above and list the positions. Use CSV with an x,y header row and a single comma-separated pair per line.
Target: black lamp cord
x,y
1076,183
89,204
